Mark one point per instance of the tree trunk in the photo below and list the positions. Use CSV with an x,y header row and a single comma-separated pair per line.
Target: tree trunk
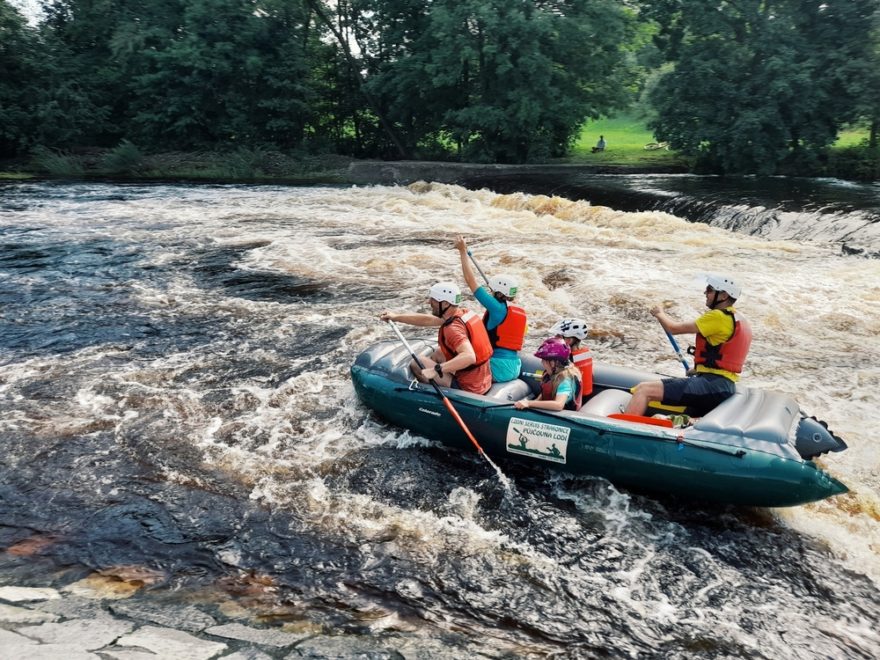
x,y
358,76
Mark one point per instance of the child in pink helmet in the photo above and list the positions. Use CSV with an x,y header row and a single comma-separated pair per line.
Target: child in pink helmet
x,y
561,383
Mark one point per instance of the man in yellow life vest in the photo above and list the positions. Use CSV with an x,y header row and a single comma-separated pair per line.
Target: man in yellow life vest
x,y
722,342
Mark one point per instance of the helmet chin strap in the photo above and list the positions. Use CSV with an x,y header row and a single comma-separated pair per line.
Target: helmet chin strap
x,y
714,300
440,311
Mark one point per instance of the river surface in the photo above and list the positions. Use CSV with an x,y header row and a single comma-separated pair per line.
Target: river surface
x,y
175,404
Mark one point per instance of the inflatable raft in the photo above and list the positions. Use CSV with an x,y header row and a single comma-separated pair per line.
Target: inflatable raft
x,y
754,449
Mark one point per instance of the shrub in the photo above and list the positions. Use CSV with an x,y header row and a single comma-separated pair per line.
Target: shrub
x,y
56,163
125,158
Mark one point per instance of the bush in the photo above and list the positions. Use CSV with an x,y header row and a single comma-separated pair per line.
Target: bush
x,y
244,163
125,158
56,163
861,163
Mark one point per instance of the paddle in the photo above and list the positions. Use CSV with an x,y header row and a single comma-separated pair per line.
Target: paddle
x,y
677,350
449,406
480,270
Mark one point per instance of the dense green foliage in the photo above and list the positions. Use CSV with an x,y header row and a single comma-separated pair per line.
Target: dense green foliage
x,y
762,85
751,86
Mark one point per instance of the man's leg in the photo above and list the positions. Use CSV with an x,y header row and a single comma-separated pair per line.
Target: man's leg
x,y
644,393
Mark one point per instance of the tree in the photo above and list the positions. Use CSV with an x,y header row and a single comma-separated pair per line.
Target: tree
x,y
498,80
229,72
19,81
760,86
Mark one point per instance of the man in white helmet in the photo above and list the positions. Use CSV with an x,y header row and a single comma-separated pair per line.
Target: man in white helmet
x,y
505,321
462,356
722,342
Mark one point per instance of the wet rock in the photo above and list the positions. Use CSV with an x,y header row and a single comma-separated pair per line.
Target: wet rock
x,y
12,614
13,645
186,618
25,594
80,634
72,608
126,654
345,647
169,643
276,638
103,587
247,654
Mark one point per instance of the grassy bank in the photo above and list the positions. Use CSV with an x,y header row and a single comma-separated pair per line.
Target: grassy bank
x,y
626,141
626,138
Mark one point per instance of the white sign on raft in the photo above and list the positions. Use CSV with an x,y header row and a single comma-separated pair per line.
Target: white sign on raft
x,y
549,442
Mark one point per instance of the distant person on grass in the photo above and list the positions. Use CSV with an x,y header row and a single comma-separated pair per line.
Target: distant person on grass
x,y
600,145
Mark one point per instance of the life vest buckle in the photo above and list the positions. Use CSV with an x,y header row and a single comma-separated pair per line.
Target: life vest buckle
x,y
413,385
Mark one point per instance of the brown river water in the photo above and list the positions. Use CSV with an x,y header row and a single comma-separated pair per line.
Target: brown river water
x,y
175,404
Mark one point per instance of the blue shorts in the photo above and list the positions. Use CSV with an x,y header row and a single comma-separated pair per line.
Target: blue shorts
x,y
699,394
505,369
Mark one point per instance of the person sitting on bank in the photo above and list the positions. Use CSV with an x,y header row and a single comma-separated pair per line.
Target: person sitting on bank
x,y
505,321
461,359
561,382
600,145
723,338
573,332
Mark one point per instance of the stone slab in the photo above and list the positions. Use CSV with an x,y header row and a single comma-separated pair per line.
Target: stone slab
x,y
26,594
13,614
262,636
169,643
13,645
188,618
247,654
80,634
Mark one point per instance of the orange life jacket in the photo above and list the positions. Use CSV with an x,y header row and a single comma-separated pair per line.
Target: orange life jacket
x,y
476,333
549,394
729,355
511,332
583,360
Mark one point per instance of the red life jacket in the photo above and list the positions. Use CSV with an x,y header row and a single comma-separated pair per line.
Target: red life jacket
x,y
583,360
549,394
476,333
511,332
729,355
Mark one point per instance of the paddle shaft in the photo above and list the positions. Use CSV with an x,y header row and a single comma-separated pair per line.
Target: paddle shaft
x,y
677,350
480,270
446,401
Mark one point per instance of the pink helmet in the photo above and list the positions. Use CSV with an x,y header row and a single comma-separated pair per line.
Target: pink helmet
x,y
553,348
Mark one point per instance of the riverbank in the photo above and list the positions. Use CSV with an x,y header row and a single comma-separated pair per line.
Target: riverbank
x,y
126,163
255,166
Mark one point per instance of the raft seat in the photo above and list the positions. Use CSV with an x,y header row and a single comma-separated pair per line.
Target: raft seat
x,y
607,402
512,390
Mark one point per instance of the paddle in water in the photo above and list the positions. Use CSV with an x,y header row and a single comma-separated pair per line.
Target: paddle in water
x,y
452,411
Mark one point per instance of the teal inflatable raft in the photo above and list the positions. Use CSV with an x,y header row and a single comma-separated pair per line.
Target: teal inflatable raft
x,y
754,449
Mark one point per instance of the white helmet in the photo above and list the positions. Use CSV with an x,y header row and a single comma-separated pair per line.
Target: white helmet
x,y
447,291
504,284
724,283
570,328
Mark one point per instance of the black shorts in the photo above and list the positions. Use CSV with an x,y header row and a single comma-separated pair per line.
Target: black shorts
x,y
699,394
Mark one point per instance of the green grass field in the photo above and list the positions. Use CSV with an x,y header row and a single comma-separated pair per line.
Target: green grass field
x,y
626,137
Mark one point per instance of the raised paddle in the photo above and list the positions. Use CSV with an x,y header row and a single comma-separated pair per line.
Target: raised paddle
x,y
450,407
480,270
